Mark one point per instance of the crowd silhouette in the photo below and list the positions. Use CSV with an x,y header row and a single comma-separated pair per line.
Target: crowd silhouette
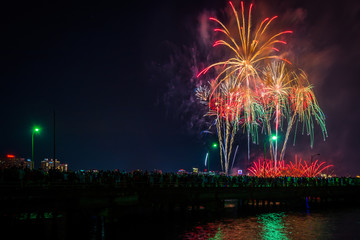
x,y
27,177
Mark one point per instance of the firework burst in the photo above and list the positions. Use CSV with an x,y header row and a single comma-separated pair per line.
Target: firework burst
x,y
304,109
233,97
266,168
254,87
277,86
297,168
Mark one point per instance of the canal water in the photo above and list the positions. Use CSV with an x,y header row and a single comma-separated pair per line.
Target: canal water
x,y
334,223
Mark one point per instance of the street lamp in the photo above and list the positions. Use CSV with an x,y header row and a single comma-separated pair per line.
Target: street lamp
x,y
311,159
272,138
35,130
214,145
275,138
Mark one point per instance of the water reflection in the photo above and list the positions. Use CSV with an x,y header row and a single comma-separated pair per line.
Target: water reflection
x,y
329,224
342,224
272,226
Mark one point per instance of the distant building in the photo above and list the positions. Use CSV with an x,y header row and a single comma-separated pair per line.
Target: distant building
x,y
13,161
181,171
47,164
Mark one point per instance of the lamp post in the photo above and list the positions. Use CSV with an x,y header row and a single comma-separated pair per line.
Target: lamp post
x,y
214,145
311,159
35,130
273,138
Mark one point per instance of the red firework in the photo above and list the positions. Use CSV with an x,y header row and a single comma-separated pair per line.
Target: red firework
x,y
266,168
229,106
298,168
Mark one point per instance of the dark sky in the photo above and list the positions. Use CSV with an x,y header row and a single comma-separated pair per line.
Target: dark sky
x,y
118,78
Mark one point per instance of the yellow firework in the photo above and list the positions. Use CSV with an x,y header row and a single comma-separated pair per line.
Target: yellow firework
x,y
277,86
248,47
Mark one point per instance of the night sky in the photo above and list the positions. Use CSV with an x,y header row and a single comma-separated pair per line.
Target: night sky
x,y
120,78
